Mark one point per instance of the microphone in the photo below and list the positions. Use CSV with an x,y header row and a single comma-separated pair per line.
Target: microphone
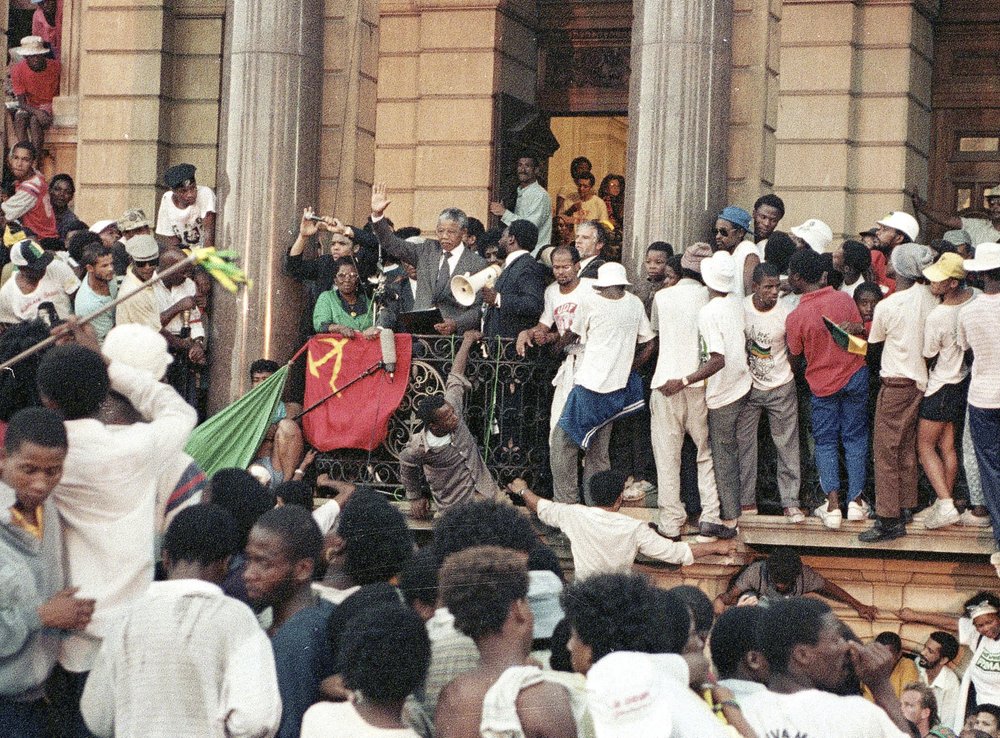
x,y
387,341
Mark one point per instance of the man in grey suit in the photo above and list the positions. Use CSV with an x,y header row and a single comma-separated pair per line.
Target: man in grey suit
x,y
437,261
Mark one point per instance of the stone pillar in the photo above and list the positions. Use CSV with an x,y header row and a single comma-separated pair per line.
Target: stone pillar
x,y
267,172
678,112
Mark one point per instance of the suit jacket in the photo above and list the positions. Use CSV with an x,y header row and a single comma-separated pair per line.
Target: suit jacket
x,y
426,257
521,287
590,271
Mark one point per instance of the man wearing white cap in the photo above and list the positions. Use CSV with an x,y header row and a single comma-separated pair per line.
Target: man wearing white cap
x,y
896,228
40,285
980,230
142,309
107,230
979,331
723,349
35,80
605,387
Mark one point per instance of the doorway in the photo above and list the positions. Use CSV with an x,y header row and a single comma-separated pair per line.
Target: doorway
x,y
965,146
603,139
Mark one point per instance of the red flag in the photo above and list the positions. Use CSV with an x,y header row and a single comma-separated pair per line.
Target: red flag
x,y
357,417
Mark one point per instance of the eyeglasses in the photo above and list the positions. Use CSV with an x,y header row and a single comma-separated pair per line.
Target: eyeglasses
x,y
350,276
721,231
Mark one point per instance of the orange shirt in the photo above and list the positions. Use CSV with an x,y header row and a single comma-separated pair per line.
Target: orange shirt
x,y
18,518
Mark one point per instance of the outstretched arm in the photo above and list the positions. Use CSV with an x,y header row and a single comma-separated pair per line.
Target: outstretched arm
x,y
921,206
462,356
944,622
834,592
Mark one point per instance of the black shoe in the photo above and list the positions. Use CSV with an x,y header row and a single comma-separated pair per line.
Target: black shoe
x,y
907,515
656,529
717,531
885,529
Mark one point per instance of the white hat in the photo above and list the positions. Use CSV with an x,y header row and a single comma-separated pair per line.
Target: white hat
x,y
611,274
902,222
719,271
987,258
31,46
142,247
816,233
626,699
101,225
139,347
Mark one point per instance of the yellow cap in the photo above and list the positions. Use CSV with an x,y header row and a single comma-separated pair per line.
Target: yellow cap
x,y
948,266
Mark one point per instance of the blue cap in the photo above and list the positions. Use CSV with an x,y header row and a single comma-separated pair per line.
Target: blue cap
x,y
736,216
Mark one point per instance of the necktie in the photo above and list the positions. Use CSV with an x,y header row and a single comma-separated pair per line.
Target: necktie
x,y
444,273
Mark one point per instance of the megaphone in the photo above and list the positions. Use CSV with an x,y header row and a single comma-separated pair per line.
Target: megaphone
x,y
465,287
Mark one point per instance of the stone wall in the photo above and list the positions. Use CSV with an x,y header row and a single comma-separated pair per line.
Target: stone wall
x,y
440,68
854,108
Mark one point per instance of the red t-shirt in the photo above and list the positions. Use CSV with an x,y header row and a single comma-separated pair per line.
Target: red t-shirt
x,y
828,367
41,219
38,87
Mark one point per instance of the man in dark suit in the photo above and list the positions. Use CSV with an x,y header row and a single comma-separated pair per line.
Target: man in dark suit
x,y
515,302
591,238
437,261
400,294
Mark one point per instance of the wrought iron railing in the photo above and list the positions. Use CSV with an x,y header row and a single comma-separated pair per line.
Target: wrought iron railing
x,y
507,409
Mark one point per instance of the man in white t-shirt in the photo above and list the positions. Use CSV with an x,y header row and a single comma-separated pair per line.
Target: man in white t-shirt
x,y
773,392
809,659
941,649
677,405
603,540
181,321
943,405
734,234
899,324
728,382
187,212
562,300
39,285
609,324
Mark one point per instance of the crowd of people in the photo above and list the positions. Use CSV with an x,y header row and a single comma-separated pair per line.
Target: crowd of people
x,y
167,604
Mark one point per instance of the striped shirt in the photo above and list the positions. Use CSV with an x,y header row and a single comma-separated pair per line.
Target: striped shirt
x,y
978,330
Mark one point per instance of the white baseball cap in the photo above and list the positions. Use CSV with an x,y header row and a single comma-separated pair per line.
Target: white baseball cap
x,y
626,699
611,274
902,222
719,271
816,233
987,258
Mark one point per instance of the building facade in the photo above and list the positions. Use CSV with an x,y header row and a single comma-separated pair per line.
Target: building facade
x,y
839,106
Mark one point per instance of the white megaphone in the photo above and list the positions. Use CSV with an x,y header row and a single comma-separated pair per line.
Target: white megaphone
x,y
465,287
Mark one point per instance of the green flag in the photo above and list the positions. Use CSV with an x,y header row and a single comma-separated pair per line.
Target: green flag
x,y
231,437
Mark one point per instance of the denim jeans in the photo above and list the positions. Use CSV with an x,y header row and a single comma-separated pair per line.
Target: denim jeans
x,y
842,418
22,719
985,427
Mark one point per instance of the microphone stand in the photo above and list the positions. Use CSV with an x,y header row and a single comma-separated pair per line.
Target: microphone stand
x,y
366,373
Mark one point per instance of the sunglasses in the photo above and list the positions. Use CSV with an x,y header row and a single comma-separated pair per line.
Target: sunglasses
x,y
721,231
150,262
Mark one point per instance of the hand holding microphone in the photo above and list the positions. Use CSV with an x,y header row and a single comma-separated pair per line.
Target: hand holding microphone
x,y
387,341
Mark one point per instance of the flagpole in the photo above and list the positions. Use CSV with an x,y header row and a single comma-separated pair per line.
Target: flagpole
x,y
366,373
97,313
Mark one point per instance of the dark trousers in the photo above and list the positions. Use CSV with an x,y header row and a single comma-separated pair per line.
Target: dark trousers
x,y
66,689
984,425
23,719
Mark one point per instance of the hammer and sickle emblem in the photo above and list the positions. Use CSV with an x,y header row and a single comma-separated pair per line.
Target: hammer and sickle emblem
x,y
335,354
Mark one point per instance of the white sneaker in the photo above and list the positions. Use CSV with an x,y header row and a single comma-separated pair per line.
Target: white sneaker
x,y
938,516
831,518
794,515
858,510
976,521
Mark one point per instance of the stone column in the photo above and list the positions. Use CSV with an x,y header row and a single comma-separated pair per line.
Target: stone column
x,y
678,112
267,172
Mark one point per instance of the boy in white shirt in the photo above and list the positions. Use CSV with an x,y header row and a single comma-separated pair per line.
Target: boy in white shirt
x,y
773,391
